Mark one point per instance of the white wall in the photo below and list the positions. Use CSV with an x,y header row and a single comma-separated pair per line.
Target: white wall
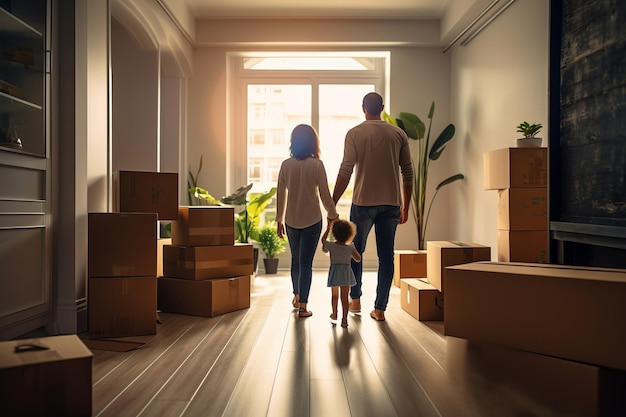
x,y
498,80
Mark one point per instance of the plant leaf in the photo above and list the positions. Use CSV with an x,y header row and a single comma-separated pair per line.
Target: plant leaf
x,y
411,124
387,118
432,110
440,144
450,180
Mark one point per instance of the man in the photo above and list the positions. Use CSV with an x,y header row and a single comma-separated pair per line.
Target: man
x,y
379,153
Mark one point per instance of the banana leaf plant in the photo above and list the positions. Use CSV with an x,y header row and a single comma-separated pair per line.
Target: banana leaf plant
x,y
422,154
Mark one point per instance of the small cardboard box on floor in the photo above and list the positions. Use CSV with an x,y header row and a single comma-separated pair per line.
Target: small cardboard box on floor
x,y
146,192
408,264
207,262
441,254
55,380
568,312
206,298
204,226
421,300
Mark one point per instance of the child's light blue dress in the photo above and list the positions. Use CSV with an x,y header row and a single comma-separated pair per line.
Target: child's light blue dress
x,y
340,272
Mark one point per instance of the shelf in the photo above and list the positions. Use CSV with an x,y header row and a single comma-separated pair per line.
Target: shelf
x,y
12,103
10,24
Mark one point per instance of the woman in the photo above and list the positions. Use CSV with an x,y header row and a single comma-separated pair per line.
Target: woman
x,y
302,183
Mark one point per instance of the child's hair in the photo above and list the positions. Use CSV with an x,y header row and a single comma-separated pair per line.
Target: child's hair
x,y
343,231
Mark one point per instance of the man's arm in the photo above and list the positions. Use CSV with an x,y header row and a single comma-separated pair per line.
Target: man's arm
x,y
407,192
340,186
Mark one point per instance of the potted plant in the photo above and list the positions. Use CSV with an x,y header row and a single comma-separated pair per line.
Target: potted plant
x,y
529,131
271,245
422,154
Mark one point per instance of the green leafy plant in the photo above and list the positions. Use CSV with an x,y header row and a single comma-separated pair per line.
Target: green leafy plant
x,y
270,243
197,196
528,130
422,154
248,220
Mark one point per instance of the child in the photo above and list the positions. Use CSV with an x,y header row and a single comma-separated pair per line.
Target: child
x,y
340,275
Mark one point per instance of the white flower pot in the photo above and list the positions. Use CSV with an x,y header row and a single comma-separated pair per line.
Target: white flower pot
x,y
529,142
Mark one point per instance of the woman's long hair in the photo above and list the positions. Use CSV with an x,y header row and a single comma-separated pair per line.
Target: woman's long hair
x,y
305,142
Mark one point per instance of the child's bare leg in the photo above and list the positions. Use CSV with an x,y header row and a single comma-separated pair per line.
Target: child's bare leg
x,y
334,301
345,305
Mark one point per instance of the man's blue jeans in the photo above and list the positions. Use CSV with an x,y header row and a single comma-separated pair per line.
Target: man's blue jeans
x,y
385,221
303,243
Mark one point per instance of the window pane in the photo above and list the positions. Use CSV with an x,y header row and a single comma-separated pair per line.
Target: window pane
x,y
339,111
273,112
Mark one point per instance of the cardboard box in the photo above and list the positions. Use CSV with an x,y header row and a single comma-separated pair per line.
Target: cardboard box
x,y
408,264
568,312
206,262
146,192
515,168
122,244
160,244
523,209
441,254
122,306
204,226
206,298
421,300
556,386
55,381
523,246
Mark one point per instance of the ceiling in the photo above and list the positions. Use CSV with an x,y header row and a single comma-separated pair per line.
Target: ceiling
x,y
425,9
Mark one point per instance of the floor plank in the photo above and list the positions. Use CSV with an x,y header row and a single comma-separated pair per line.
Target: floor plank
x,y
266,361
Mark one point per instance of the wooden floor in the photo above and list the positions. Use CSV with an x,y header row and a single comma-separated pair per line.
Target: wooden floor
x,y
265,361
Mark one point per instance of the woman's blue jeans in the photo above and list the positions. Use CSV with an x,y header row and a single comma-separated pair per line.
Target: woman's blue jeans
x,y
303,243
385,220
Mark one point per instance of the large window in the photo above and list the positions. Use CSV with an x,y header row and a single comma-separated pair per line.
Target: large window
x,y
279,92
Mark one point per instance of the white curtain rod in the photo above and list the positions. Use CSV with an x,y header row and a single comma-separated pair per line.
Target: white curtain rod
x,y
484,25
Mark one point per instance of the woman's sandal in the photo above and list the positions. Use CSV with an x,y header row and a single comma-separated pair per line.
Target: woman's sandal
x,y
295,302
344,323
304,313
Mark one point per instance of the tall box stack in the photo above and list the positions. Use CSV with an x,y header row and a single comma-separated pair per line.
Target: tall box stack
x,y
122,268
205,273
520,177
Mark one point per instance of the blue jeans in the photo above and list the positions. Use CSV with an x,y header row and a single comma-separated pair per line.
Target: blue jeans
x,y
385,221
303,243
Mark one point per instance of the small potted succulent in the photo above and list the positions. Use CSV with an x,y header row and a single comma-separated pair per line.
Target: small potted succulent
x,y
529,131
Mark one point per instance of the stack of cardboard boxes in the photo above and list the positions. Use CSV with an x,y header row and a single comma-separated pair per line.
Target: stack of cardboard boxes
x,y
122,274
205,272
200,270
420,274
520,177
122,260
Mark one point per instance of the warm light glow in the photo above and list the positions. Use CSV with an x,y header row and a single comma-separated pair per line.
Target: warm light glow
x,y
295,63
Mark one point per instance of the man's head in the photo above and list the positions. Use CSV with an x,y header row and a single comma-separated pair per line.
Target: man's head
x,y
372,104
